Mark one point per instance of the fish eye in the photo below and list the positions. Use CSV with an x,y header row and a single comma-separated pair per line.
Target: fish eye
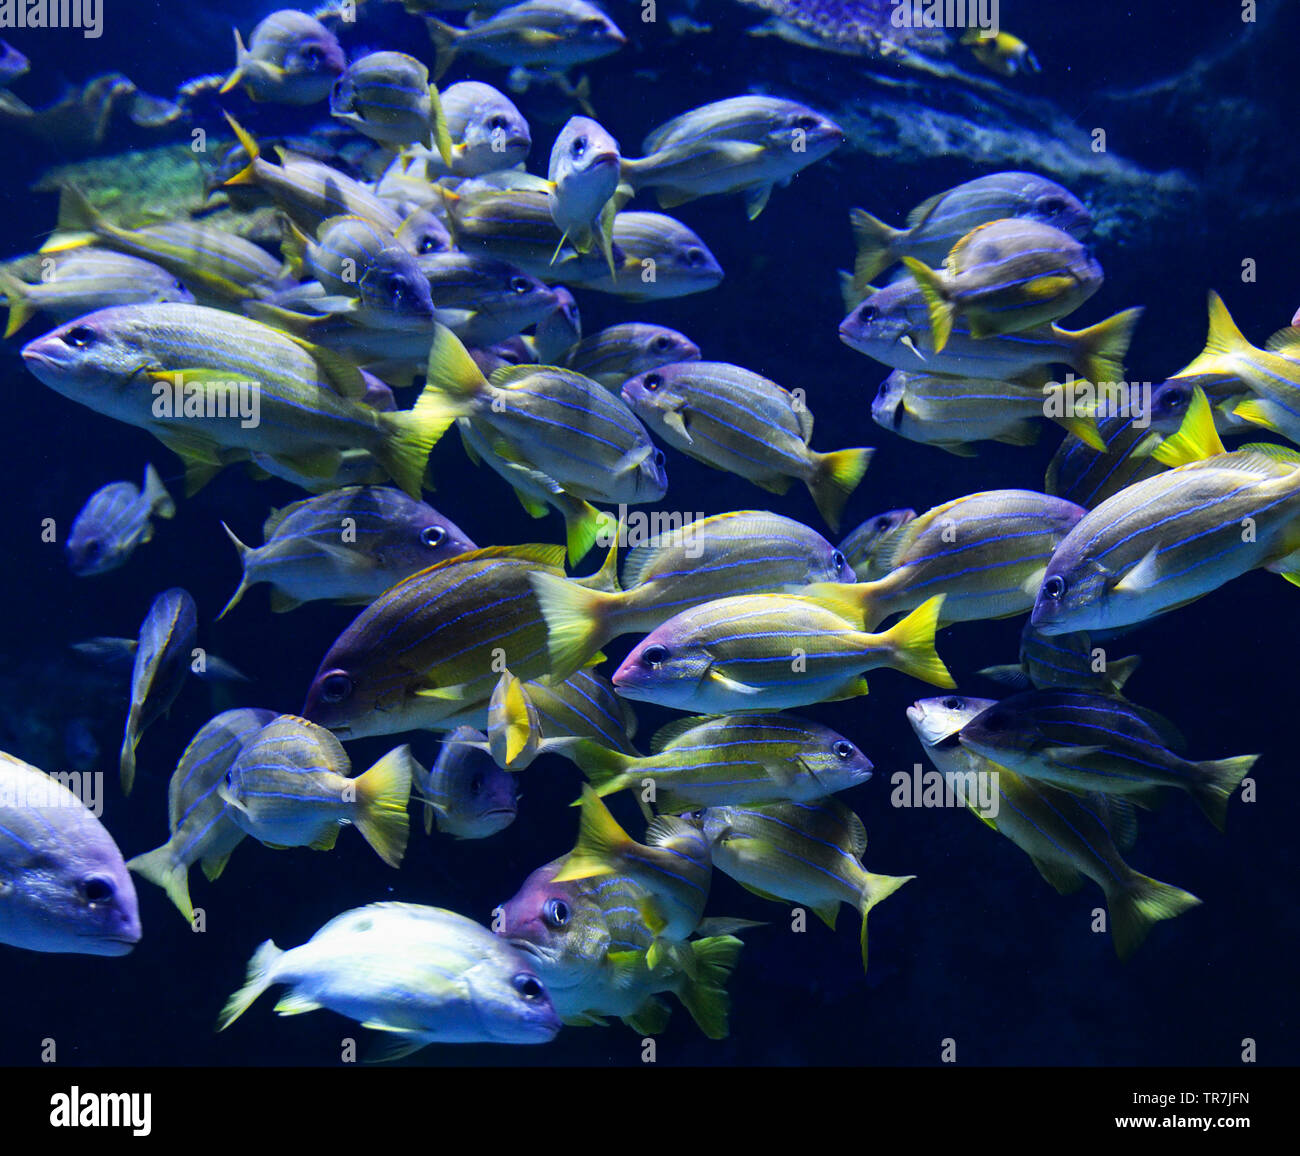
x,y
868,313
662,343
843,749
591,25
882,523
80,336
1051,205
696,816
429,243
579,146
654,656
528,986
96,889
659,457
1175,399
93,547
838,561
497,122
652,381
556,912
805,122
953,703
433,536
1054,587
335,687
695,256
312,56
520,284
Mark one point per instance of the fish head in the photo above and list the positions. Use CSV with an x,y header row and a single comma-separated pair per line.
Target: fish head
x,y
394,284
937,721
683,262
420,537
880,323
171,288
511,298
92,547
1170,401
590,29
832,759
489,129
656,396
343,95
92,358
889,406
1002,732
1054,205
651,477
72,896
810,134
831,565
479,797
662,346
422,232
509,998
1077,593
312,52
585,154
667,667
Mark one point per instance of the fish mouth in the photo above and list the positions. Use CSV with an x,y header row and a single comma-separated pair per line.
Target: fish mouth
x,y
113,944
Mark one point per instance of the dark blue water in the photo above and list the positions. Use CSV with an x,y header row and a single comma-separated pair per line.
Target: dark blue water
x,y
978,948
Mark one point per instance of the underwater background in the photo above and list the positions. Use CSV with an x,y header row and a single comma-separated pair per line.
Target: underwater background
x,y
978,948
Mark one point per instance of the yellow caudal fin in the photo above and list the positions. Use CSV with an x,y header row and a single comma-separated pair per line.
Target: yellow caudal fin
x,y
514,730
875,242
161,869
412,434
444,38
1221,779
941,311
126,760
874,889
382,794
1098,351
1195,439
583,525
241,62
704,992
1223,341
450,368
577,620
248,174
601,842
261,972
912,643
837,476
244,552
20,305
606,770
1139,903
438,128
1075,418
293,247
80,223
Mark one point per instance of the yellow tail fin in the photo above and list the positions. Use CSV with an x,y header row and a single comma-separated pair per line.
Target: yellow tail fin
x,y
576,620
601,841
837,476
912,642
261,970
875,241
874,889
20,306
1098,351
941,311
382,794
1135,906
161,869
1196,438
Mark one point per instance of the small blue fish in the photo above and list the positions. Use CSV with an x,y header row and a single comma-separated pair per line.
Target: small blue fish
x,y
114,521
469,796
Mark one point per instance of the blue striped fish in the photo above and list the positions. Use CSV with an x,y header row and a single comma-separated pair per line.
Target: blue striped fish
x,y
387,97
556,421
681,262
809,853
1080,473
584,705
740,759
1165,541
892,325
484,300
162,660
349,545
291,786
291,58
618,352
1086,742
114,521
772,651
197,817
985,552
742,552
939,222
735,420
465,792
428,653
1006,276
1067,836
1064,662
673,866
590,946
204,381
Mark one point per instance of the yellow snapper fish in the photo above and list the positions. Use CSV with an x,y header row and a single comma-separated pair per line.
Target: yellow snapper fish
x,y
421,975
202,830
204,381
291,58
806,853
1068,837
773,651
387,97
290,786
1005,277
